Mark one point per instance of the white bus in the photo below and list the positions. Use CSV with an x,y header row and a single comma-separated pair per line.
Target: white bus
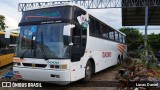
x,y
64,43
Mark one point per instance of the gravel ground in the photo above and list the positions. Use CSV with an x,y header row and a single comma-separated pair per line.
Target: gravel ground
x,y
106,75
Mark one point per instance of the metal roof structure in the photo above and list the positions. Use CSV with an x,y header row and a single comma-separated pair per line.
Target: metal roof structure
x,y
133,11
135,16
95,4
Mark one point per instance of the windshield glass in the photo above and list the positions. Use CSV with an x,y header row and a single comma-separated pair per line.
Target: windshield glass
x,y
48,39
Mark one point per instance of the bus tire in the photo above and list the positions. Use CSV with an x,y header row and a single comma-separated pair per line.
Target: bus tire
x,y
88,71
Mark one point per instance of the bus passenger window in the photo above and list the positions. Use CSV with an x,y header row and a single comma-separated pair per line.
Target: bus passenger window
x,y
105,31
97,28
120,38
116,36
111,35
123,39
92,26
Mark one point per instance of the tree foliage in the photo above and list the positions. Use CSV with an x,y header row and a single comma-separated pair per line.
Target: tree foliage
x,y
2,23
133,37
154,41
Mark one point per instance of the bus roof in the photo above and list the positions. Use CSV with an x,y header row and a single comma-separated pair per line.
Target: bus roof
x,y
71,4
12,34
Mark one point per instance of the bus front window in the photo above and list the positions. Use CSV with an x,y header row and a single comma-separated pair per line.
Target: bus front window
x,y
46,39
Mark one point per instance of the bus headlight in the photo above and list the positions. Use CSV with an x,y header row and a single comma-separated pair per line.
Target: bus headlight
x,y
16,64
63,66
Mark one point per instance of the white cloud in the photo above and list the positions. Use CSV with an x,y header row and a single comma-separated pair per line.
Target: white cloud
x,y
11,23
112,17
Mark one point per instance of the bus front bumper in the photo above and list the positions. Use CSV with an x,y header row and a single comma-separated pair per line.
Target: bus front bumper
x,y
42,75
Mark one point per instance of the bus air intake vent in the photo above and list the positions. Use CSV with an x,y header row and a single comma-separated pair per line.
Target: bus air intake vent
x,y
35,65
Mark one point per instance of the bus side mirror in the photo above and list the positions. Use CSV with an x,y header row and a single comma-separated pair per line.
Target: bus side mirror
x,y
67,34
67,30
7,38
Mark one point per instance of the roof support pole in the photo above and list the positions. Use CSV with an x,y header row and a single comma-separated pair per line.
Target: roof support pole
x,y
146,28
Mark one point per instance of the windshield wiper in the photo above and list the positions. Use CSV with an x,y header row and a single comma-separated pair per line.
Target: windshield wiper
x,y
21,57
31,47
42,50
44,55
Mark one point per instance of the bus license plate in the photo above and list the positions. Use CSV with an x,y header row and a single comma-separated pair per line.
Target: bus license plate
x,y
18,76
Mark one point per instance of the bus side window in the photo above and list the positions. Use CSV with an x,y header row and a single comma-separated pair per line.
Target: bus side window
x,y
97,28
76,47
2,41
92,26
123,39
105,32
76,35
111,35
116,36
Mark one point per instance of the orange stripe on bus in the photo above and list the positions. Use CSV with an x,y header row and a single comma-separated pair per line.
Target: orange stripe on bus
x,y
18,60
120,50
121,47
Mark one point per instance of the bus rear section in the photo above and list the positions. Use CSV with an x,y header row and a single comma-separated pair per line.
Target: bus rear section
x,y
6,56
6,52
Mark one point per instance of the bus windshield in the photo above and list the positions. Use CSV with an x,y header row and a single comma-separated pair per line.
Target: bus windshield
x,y
38,39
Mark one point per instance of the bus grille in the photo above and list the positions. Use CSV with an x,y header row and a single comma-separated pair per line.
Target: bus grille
x,y
35,65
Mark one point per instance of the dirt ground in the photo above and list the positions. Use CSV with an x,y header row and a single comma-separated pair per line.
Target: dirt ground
x,y
96,83
4,69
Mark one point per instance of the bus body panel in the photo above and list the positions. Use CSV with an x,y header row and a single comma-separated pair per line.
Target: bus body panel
x,y
32,69
44,75
6,59
104,52
74,71
77,70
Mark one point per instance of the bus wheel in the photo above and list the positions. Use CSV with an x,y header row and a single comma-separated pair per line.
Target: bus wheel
x,y
88,71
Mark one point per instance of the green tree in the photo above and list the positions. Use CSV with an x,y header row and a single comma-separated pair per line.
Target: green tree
x,y
2,24
133,37
154,41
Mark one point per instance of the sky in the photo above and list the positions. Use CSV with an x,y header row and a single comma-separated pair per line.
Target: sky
x,y
113,17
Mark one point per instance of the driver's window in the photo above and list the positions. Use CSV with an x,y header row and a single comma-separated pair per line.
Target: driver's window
x,y
76,36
